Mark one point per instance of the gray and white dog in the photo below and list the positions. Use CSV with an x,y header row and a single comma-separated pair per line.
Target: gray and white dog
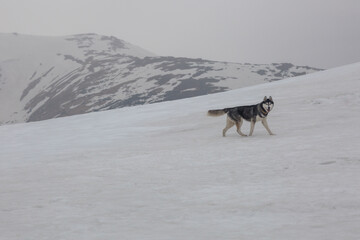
x,y
252,113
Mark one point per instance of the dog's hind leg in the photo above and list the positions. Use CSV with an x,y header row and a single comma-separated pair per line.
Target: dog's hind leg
x,y
252,126
229,124
238,126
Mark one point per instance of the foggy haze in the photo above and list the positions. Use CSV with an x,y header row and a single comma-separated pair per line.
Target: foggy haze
x,y
318,33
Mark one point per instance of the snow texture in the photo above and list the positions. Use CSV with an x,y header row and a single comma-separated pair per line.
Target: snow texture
x,y
163,171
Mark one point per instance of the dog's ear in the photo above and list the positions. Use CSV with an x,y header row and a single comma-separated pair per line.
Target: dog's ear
x,y
265,98
270,98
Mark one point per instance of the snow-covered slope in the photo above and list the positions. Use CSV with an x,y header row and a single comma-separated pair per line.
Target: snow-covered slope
x,y
49,77
163,171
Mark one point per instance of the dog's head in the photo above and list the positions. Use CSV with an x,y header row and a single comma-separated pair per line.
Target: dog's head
x,y
267,103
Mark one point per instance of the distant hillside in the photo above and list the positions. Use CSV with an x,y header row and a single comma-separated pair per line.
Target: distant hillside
x,y
49,77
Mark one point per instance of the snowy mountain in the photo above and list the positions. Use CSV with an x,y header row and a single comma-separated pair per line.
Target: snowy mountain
x,y
164,171
49,77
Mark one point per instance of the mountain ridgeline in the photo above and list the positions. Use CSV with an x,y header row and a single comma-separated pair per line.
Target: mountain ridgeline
x,y
49,77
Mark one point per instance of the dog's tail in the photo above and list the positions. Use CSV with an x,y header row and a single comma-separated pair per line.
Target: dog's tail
x,y
216,112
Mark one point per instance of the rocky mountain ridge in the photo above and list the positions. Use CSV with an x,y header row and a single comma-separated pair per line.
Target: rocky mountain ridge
x,y
49,77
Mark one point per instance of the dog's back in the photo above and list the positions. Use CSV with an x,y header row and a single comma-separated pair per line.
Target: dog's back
x,y
235,113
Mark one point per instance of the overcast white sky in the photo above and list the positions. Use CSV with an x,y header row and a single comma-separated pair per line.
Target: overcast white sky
x,y
319,33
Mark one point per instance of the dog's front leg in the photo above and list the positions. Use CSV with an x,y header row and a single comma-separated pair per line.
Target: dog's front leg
x,y
252,127
264,122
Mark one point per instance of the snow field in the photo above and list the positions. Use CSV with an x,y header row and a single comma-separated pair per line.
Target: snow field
x,y
163,171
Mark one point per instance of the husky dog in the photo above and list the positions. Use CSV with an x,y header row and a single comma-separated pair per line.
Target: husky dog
x,y
251,113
